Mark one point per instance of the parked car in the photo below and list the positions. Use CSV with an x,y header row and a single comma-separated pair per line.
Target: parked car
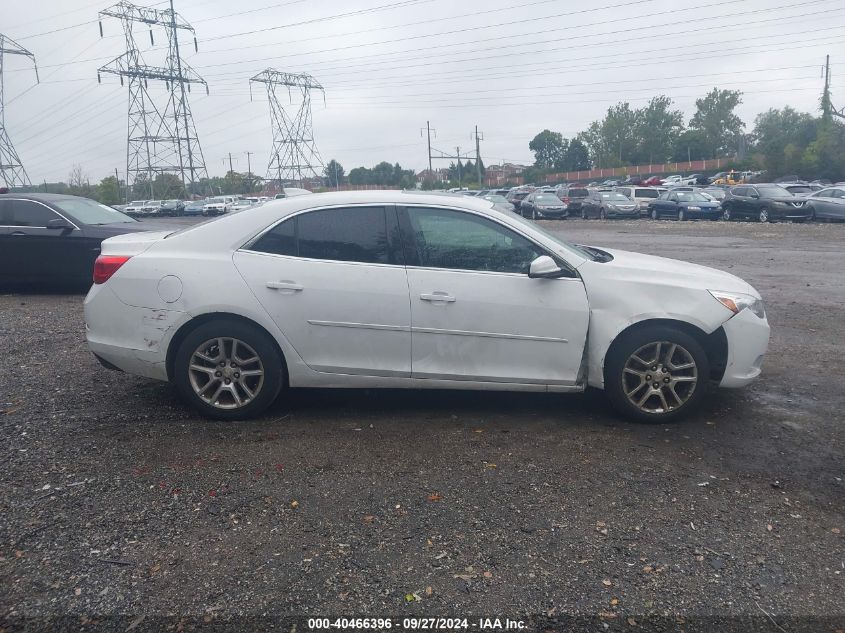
x,y
827,204
54,239
572,196
499,202
651,181
717,193
608,205
539,205
218,205
684,205
633,180
260,301
675,179
194,207
240,204
694,179
290,192
641,195
516,196
150,208
764,203
171,207
134,207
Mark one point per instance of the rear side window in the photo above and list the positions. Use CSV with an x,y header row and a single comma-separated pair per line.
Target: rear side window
x,y
25,213
645,193
353,234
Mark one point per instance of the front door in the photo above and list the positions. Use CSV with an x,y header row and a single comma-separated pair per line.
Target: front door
x,y
333,281
475,313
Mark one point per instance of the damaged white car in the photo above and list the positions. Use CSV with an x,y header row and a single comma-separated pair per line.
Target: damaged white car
x,y
391,289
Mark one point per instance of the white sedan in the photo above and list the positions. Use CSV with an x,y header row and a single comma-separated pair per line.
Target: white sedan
x,y
393,289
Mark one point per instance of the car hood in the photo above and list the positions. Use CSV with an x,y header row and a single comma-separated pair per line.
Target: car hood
x,y
786,199
636,266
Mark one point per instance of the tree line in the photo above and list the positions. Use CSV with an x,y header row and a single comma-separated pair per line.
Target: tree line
x,y
782,141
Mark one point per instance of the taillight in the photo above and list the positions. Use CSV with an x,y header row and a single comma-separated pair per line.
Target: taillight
x,y
106,265
565,199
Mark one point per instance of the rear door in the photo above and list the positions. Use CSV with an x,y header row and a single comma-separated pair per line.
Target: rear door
x,y
475,313
333,280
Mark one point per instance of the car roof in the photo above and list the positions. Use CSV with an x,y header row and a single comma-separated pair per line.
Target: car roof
x,y
43,197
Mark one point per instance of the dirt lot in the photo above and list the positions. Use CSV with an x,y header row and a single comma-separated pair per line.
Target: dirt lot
x,y
117,500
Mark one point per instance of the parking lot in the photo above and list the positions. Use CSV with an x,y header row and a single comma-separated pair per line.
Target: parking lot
x,y
117,499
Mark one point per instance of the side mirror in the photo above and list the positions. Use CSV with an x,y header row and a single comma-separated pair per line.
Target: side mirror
x,y
544,267
59,224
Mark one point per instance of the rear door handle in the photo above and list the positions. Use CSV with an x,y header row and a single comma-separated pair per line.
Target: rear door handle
x,y
437,297
289,286
18,234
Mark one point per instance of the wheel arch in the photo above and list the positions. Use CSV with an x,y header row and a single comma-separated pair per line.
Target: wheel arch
x,y
189,326
715,344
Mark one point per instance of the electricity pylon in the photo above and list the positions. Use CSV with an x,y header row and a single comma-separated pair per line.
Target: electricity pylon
x,y
12,173
294,157
162,137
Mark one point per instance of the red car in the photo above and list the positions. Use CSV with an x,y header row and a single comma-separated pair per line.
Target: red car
x,y
652,181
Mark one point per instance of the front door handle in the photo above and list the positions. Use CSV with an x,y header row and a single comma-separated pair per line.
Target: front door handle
x,y
288,286
18,234
437,297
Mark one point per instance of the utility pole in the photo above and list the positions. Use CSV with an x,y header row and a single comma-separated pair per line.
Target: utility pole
x,y
458,156
161,137
478,156
248,162
294,157
428,132
231,169
12,173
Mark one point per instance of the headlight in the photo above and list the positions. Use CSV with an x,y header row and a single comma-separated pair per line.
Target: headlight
x,y
693,208
736,302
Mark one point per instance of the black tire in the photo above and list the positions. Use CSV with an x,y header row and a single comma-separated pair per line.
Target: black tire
x,y
763,215
655,215
584,214
264,347
602,214
682,217
726,214
627,345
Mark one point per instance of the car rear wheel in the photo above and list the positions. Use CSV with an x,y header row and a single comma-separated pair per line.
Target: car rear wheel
x,y
656,374
763,216
682,216
603,214
726,214
228,369
583,213
655,215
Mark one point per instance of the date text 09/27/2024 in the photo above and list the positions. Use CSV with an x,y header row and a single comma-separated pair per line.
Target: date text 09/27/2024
x,y
416,624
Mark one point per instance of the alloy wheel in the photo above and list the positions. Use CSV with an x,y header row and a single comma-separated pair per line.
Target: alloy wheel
x,y
226,373
654,215
726,215
764,215
681,215
659,377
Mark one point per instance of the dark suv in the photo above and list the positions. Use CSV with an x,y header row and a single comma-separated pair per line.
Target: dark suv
x,y
572,196
764,203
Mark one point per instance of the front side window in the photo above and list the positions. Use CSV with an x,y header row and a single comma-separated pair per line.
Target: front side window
x,y
773,192
26,213
462,241
87,211
353,234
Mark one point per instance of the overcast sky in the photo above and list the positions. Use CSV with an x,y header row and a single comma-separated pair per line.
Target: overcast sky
x,y
512,67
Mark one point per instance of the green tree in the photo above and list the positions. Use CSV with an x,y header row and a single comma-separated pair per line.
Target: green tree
x,y
549,149
612,141
781,138
108,191
690,145
333,173
577,156
716,119
825,156
656,130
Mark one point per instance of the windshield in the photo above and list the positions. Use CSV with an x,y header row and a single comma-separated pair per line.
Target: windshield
x,y
578,193
800,189
718,194
689,196
646,193
613,196
547,199
773,192
87,211
215,200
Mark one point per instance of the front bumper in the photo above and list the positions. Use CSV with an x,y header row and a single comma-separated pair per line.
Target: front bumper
x,y
790,213
618,214
748,340
554,214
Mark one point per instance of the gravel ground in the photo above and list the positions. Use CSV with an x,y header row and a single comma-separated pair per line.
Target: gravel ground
x,y
118,501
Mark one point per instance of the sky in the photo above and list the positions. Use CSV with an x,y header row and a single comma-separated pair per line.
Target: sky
x,y
511,67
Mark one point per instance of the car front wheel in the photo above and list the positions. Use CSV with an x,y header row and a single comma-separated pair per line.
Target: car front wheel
x,y
655,215
583,213
656,374
228,369
682,216
726,214
763,216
